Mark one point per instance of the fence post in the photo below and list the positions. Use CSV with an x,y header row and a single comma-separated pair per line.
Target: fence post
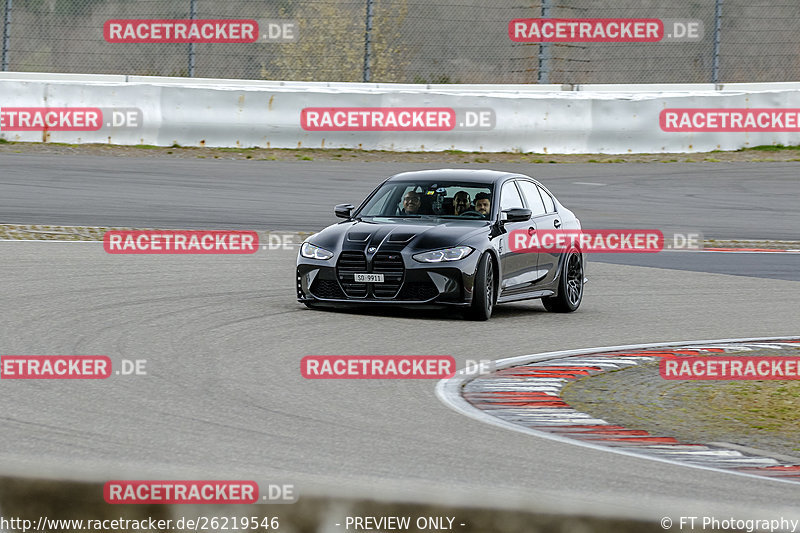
x,y
544,49
717,31
193,16
368,43
6,34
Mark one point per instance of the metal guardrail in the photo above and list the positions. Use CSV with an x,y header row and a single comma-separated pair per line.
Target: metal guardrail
x,y
586,119
56,77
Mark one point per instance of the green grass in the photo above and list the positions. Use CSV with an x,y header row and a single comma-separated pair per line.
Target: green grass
x,y
762,153
765,405
769,148
229,149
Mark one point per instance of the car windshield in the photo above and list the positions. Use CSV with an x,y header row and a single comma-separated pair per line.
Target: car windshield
x,y
441,199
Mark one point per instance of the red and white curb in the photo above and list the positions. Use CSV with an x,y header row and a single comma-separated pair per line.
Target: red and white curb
x,y
523,394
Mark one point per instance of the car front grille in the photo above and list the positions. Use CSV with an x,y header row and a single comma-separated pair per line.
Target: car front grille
x,y
390,264
348,264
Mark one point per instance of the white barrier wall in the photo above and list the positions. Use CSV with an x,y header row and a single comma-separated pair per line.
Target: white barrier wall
x,y
542,119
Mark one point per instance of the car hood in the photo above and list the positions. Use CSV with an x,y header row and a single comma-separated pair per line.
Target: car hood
x,y
399,234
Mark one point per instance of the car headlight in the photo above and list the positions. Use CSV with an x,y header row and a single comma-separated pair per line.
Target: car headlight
x,y
310,251
448,254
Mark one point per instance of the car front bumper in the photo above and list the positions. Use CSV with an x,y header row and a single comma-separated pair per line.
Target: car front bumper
x,y
413,284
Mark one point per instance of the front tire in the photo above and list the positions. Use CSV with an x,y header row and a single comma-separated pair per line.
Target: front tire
x,y
570,286
483,291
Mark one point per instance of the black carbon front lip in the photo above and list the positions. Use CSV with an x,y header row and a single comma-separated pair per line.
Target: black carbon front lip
x,y
433,303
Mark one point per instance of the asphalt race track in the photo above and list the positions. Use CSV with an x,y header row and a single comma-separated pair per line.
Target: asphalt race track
x,y
223,335
723,200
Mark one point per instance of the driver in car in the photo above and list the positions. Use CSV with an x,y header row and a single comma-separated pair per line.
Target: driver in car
x,y
411,203
483,203
461,202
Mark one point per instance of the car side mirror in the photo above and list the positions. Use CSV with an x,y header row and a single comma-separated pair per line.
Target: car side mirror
x,y
343,210
515,214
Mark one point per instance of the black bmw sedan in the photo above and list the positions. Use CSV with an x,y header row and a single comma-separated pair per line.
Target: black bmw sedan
x,y
438,238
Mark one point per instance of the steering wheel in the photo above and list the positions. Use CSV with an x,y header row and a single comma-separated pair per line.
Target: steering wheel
x,y
472,213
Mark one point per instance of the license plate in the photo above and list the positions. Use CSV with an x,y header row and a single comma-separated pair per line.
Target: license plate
x,y
368,278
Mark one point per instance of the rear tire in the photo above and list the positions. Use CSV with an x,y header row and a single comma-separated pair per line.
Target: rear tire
x,y
483,291
570,286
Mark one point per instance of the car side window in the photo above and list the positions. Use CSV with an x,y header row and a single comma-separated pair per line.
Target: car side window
x,y
509,196
531,193
548,201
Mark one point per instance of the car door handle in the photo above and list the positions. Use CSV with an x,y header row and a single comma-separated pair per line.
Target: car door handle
x,y
531,230
557,223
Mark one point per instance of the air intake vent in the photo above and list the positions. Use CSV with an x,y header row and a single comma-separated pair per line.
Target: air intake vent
x,y
355,236
327,289
401,237
418,291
